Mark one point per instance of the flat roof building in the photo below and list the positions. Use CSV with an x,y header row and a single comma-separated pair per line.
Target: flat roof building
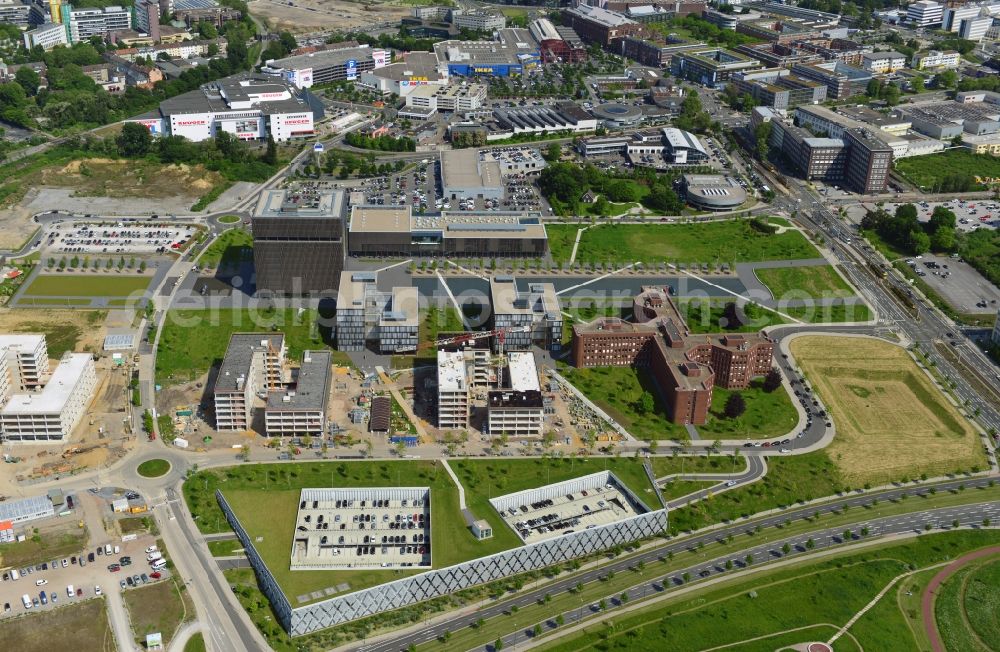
x,y
712,67
466,175
513,52
22,510
27,359
453,390
298,241
533,307
395,231
598,25
386,320
252,366
51,415
248,106
301,411
338,63
516,409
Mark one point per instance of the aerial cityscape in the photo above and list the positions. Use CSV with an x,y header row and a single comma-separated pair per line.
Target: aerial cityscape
x,y
474,325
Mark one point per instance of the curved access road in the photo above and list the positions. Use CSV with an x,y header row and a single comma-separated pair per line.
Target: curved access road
x,y
930,593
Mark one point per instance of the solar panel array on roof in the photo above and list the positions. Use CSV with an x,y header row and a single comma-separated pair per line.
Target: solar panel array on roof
x,y
25,509
381,412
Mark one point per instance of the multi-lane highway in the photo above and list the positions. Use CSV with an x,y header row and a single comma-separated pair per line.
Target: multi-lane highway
x,y
967,515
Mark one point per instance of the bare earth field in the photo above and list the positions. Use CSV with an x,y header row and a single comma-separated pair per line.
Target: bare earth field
x,y
892,422
313,15
65,330
103,186
96,177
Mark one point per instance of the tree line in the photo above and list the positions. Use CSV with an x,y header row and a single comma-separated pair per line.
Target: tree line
x,y
905,232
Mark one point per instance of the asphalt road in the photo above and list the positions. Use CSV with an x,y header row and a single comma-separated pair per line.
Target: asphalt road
x,y
967,515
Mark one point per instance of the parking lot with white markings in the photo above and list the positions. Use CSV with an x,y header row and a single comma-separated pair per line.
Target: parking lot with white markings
x,y
115,238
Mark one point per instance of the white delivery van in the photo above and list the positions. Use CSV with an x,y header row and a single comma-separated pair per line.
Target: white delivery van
x,y
14,574
153,556
26,601
107,548
70,591
159,564
117,550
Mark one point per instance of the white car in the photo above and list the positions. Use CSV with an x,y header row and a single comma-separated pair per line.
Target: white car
x,y
151,549
41,582
97,590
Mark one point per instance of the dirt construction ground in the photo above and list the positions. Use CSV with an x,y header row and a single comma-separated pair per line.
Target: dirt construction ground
x,y
315,15
892,422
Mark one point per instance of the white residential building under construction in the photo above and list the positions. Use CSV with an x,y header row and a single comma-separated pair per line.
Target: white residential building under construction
x,y
301,411
252,367
516,409
50,415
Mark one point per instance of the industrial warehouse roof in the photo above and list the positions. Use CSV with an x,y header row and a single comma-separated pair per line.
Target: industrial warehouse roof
x,y
381,414
464,168
52,399
19,509
239,355
119,341
322,58
312,386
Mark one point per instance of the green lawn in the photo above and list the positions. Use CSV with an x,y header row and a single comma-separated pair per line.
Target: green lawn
x,y
587,310
196,643
153,468
233,246
813,282
949,607
982,600
705,315
229,219
788,481
724,242
768,414
680,488
225,548
619,391
192,341
158,607
43,547
266,497
928,171
811,594
89,285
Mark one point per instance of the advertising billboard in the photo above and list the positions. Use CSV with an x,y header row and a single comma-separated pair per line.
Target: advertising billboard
x,y
155,126
380,58
352,69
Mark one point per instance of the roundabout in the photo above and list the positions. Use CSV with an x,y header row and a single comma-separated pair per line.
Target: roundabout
x,y
153,468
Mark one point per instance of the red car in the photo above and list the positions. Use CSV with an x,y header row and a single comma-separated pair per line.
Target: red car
x,y
114,568
155,576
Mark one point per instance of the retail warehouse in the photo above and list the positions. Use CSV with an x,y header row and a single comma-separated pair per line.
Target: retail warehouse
x,y
250,107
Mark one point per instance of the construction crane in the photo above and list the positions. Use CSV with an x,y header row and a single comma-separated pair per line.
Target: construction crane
x,y
499,333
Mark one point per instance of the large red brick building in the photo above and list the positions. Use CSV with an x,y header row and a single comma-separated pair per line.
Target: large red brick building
x,y
686,367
